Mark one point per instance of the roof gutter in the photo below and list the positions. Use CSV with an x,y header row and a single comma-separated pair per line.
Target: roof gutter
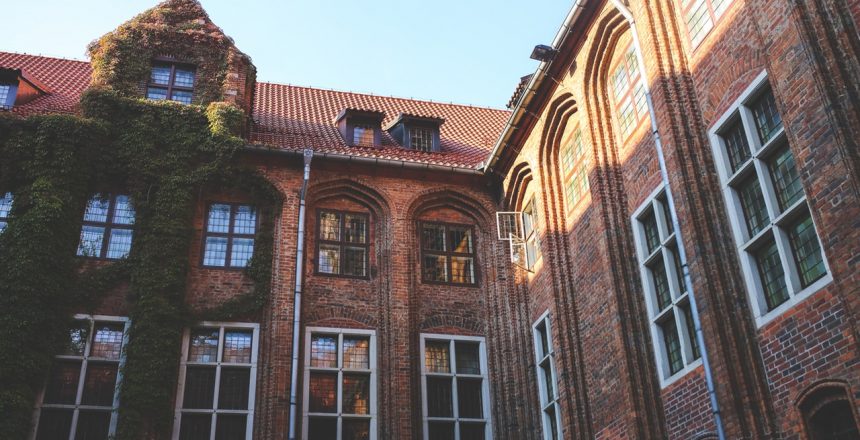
x,y
534,84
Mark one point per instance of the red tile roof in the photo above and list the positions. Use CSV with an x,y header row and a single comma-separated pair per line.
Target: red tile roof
x,y
293,118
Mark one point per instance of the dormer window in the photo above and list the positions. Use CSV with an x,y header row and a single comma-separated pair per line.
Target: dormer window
x,y
4,96
171,81
362,135
17,88
420,133
421,138
360,128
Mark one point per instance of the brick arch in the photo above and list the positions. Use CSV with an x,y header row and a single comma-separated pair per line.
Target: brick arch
x,y
445,323
821,393
451,198
339,316
358,191
521,177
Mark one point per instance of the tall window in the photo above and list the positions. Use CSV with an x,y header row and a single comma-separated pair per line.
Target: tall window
x,y
229,237
421,138
107,228
628,91
344,241
666,296
454,388
574,162
5,209
701,16
771,220
81,399
546,376
340,384
171,81
530,233
447,253
218,376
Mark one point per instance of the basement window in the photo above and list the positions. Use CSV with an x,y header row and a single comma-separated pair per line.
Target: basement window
x,y
229,236
107,227
171,81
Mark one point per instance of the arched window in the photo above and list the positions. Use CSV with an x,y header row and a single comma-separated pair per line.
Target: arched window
x,y
828,413
628,90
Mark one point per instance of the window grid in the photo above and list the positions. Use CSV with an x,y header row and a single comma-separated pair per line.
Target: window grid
x,y
340,384
672,329
228,239
531,233
701,16
362,135
771,220
5,210
80,398
107,227
421,138
171,81
631,107
448,254
547,379
455,404
575,170
217,382
343,243
4,96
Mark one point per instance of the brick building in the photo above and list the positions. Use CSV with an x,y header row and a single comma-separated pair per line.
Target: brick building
x,y
670,162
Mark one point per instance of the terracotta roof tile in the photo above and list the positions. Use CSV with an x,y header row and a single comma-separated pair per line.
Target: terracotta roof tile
x,y
66,80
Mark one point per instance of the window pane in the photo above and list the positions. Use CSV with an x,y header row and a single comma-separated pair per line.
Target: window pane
x,y
156,94
160,75
354,261
752,203
63,382
468,361
652,234
786,181
435,268
195,427
92,238
807,251
620,83
107,341
544,341
546,370
553,422
323,392
330,226
433,238
441,430
439,397
463,270
93,425
241,252
356,394
472,431
119,244
181,96
78,336
672,343
324,351
329,259
461,240
245,221
123,212
691,330
237,347
737,146
772,275
219,219
203,346
362,135
97,209
626,116
6,205
231,427
640,100
421,139
183,78
356,352
436,359
679,271
3,226
99,384
54,424
215,253
323,428
667,216
661,284
233,392
469,396
699,21
767,118
199,387
355,228
356,429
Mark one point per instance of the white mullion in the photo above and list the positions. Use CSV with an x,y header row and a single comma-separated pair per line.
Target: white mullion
x,y
216,392
455,410
783,246
252,384
339,383
82,375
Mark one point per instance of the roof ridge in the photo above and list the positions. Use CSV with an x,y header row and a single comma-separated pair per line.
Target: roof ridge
x,y
377,95
45,56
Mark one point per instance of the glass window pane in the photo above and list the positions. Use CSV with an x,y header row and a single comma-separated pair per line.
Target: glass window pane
x,y
54,424
737,146
329,259
354,260
691,330
356,394
355,228
219,219
123,211
324,351
329,226
99,384
233,392
241,252
107,340
470,402
354,429
468,360
667,216
323,392
203,346
441,430
183,78
661,284
156,93
356,352
215,253
772,275
160,75
433,238
767,118
807,251
679,271
546,370
652,234
786,181
439,397
119,243
362,135
461,240
63,382
472,431
3,226
78,336
6,205
199,387
97,209
181,96
544,341
92,238
435,268
93,425
463,270
699,22
672,343
421,139
195,427
323,428
231,427
436,358
237,347
245,221
752,203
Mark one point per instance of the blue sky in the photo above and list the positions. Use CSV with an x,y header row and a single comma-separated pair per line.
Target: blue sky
x,y
463,51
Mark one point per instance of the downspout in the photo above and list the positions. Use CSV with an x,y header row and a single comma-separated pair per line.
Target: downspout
x,y
297,297
688,281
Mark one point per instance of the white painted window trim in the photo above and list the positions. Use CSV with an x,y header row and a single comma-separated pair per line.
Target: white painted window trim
x,y
92,319
542,385
482,352
340,332
252,383
678,297
736,216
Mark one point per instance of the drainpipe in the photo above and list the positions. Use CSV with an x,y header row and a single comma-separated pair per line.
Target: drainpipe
x,y
297,297
688,281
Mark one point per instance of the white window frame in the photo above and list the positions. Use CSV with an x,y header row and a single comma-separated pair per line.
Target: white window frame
x,y
775,227
338,415
252,383
678,295
92,319
485,384
541,358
